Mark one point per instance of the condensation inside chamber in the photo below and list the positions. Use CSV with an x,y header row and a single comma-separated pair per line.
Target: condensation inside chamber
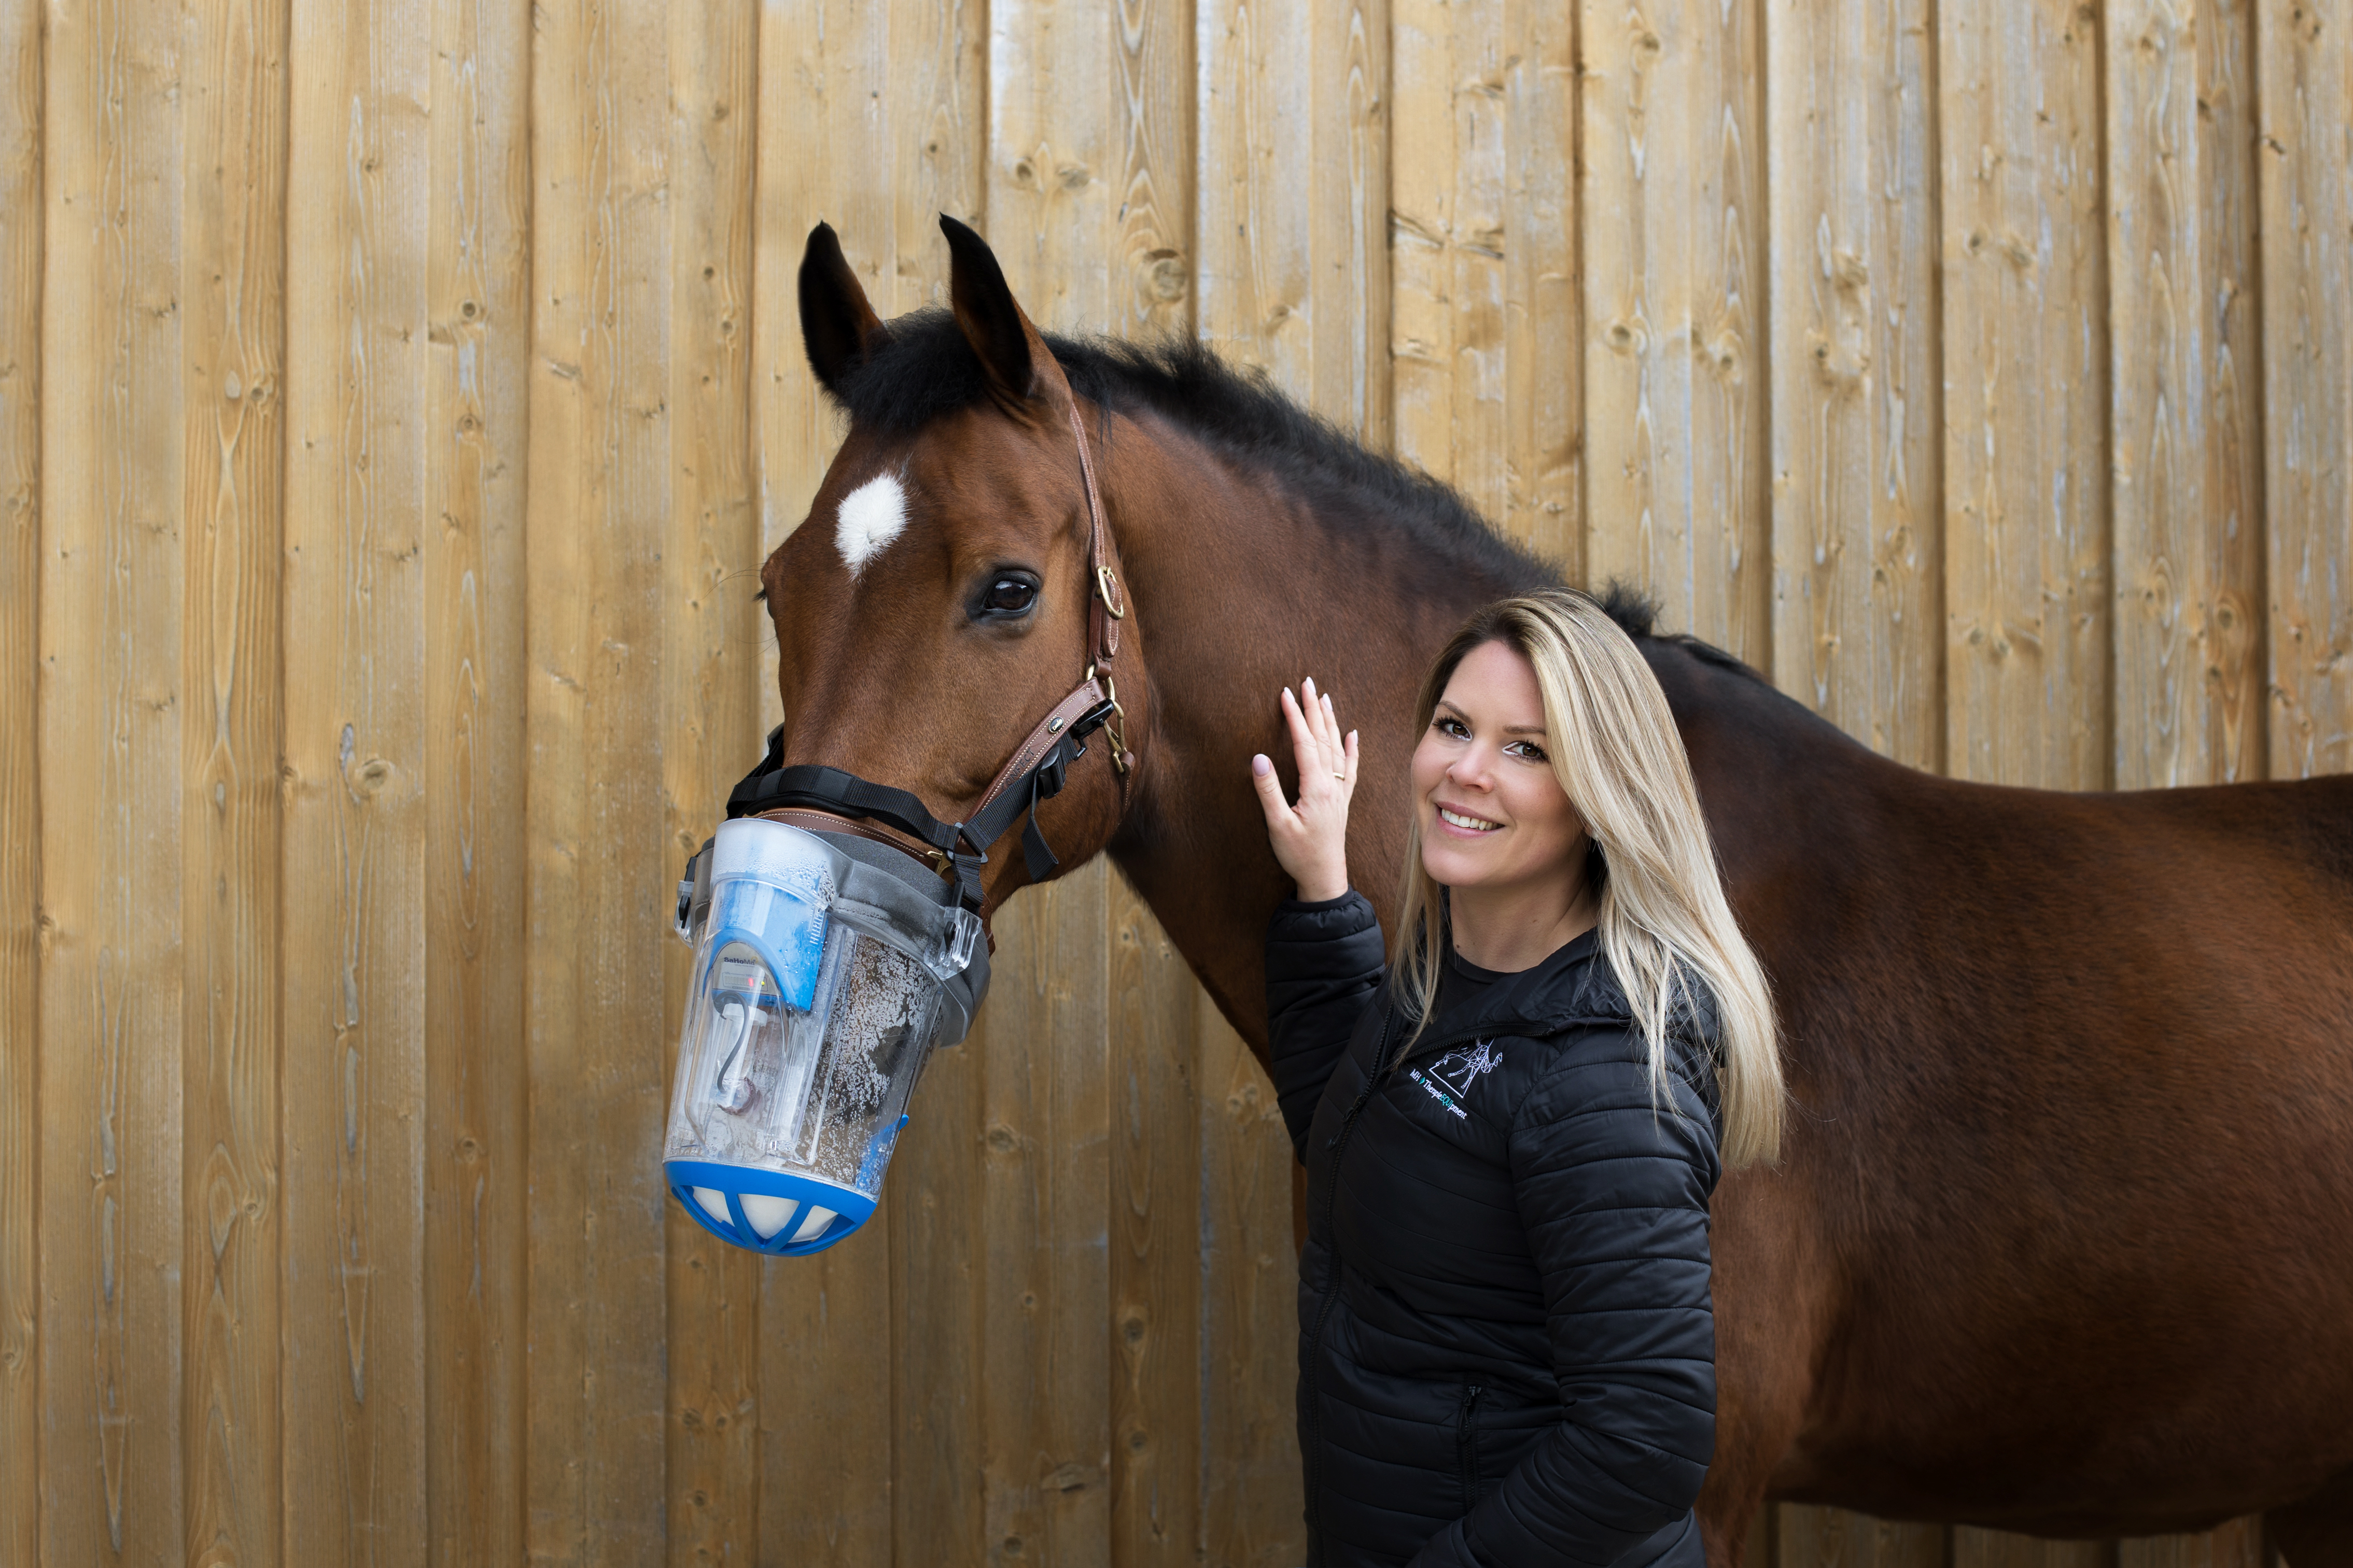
x,y
803,1091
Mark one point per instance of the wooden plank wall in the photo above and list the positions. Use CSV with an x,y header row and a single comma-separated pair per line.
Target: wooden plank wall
x,y
397,398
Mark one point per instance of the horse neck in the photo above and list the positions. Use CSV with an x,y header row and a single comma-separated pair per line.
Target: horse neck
x,y
1243,584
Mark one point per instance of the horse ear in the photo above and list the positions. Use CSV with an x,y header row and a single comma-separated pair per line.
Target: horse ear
x,y
1011,351
839,327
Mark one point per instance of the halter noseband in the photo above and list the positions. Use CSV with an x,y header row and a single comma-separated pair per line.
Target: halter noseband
x,y
1035,772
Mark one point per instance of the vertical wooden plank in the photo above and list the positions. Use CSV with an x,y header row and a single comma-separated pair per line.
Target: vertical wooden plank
x,y
1254,120
1251,1505
1254,279
1974,1548
1455,109
1157,1454
828,94
20,795
2185,489
932,1198
2238,1544
1298,283
1805,1537
232,297
2236,647
1056,155
1151,294
1348,70
1675,251
1055,133
111,715
1482,300
1423,36
355,822
600,845
711,697
477,370
1542,326
2304,77
1045,1350
2026,376
1858,552
1154,1188
2186,574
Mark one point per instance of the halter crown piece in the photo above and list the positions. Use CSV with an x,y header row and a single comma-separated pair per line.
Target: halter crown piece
x,y
1035,772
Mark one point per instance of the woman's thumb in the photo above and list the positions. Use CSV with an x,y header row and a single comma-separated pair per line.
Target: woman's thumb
x,y
1270,788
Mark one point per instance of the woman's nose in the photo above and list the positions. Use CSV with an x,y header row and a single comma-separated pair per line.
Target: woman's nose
x,y
1471,770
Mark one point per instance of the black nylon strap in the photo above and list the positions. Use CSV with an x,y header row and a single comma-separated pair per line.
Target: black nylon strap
x,y
830,789
770,786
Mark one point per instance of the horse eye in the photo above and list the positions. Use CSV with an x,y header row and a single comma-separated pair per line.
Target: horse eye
x,y
1008,597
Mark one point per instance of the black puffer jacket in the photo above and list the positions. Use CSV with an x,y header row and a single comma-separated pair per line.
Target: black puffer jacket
x,y
1506,1350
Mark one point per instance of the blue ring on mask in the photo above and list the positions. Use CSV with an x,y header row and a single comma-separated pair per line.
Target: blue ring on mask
x,y
806,1194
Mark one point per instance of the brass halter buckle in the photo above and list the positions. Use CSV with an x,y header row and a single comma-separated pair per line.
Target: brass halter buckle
x,y
1114,724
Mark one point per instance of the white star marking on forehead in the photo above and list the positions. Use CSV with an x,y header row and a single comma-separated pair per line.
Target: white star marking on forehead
x,y
871,516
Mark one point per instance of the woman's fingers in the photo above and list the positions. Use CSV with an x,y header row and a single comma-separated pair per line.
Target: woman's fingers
x,y
1324,753
1306,745
1305,748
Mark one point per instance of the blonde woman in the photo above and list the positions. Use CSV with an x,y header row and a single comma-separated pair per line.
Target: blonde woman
x,y
1512,1120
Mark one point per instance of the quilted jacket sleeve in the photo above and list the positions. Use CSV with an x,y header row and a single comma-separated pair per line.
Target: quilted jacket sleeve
x,y
1323,965
1614,1195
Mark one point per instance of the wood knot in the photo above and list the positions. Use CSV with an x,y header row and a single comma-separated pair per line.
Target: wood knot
x,y
1165,277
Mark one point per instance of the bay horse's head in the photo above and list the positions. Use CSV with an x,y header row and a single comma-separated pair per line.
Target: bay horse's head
x,y
939,606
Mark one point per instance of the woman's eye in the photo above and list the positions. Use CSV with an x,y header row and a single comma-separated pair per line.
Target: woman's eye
x,y
1008,597
1452,728
1527,750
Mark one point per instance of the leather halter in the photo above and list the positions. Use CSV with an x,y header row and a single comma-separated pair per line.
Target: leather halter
x,y
1035,772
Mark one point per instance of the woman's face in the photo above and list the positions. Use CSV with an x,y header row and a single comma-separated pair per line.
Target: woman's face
x,y
1493,814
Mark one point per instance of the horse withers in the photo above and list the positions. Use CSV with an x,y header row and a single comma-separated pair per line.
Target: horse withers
x,y
2062,1238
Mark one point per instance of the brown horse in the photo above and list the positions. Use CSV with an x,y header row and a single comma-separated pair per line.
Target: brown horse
x,y
2063,1237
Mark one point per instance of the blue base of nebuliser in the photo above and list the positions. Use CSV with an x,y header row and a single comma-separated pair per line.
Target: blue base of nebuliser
x,y
808,1202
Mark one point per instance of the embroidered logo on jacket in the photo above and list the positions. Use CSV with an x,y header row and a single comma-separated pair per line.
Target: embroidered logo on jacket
x,y
1451,1076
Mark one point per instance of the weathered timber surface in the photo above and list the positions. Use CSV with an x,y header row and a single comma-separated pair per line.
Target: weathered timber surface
x,y
397,400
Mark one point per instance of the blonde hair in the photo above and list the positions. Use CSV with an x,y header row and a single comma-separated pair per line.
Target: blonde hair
x,y
1663,919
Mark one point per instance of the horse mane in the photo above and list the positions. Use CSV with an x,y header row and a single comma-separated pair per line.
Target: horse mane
x,y
926,369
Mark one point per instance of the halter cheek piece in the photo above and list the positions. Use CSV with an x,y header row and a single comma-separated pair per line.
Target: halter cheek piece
x,y
1035,772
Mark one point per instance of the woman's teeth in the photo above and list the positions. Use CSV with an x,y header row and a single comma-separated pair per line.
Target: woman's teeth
x,y
1476,825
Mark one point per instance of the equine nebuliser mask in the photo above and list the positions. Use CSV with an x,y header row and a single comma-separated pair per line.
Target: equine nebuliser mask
x,y
826,969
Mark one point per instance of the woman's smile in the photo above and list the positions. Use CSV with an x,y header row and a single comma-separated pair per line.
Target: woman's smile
x,y
1464,823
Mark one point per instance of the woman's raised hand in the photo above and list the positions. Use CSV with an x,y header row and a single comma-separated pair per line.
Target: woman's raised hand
x,y
1311,839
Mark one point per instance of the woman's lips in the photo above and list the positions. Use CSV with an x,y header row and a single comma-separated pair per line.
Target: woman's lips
x,y
1464,824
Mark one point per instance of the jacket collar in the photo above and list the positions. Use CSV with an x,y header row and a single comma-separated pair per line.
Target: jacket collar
x,y
1574,986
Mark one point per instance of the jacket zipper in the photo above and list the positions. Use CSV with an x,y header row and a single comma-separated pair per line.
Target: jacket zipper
x,y
1466,1445
1338,1144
